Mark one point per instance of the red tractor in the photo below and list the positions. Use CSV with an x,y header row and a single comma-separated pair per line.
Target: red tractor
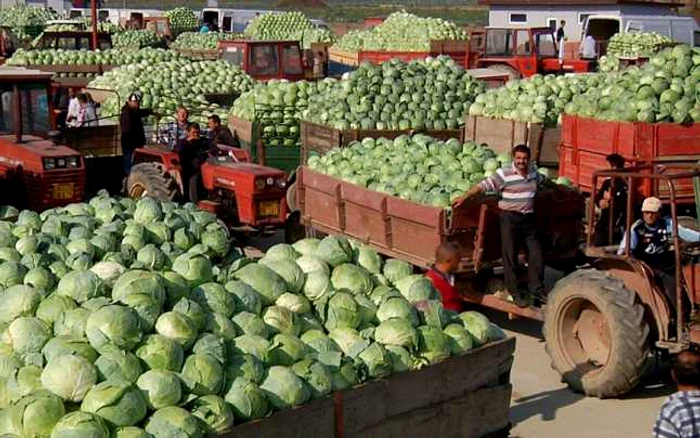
x,y
521,52
35,171
250,198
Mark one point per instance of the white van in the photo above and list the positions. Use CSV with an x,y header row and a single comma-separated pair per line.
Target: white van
x,y
231,20
680,28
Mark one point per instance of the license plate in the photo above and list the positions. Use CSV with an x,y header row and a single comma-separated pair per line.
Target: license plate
x,y
269,208
63,191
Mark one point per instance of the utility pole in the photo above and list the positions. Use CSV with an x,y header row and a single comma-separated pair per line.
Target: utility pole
x,y
93,7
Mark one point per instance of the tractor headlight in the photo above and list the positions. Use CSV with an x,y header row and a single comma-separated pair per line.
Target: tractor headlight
x,y
49,163
270,181
60,162
259,184
72,162
281,183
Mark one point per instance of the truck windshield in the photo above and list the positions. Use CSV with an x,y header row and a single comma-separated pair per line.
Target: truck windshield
x,y
499,42
545,45
35,109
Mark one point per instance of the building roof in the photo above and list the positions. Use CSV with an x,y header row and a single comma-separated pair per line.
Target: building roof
x,y
554,3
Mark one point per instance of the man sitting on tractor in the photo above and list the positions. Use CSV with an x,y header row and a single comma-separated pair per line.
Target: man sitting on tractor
x,y
219,134
193,152
175,132
651,240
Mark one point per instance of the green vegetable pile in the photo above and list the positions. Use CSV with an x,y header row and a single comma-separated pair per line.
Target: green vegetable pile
x,y
88,57
182,19
662,90
418,168
538,99
632,45
434,93
136,39
403,32
24,21
135,319
293,25
202,41
276,106
166,85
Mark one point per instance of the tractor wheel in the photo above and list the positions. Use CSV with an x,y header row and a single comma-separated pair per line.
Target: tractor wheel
x,y
292,197
150,179
506,69
293,229
596,334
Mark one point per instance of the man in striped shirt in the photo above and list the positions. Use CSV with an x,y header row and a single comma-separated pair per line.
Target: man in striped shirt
x,y
517,185
680,413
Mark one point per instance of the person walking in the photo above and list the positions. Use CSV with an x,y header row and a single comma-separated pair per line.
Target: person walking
x,y
680,413
133,135
588,50
517,184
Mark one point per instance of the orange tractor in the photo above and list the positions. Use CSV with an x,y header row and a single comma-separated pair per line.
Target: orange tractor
x,y
521,52
248,197
36,172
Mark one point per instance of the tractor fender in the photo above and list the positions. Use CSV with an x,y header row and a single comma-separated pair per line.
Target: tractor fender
x,y
639,278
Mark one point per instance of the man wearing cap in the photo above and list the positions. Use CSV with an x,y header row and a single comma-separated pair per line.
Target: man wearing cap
x,y
132,131
651,238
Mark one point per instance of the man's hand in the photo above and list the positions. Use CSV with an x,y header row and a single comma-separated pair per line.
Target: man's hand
x,y
475,190
604,203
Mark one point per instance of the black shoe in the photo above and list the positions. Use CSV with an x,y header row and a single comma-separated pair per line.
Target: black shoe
x,y
540,297
521,300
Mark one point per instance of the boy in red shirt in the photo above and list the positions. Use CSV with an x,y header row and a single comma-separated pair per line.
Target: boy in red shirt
x,y
446,263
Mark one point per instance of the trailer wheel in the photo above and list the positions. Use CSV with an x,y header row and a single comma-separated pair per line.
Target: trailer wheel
x,y
292,197
150,179
596,334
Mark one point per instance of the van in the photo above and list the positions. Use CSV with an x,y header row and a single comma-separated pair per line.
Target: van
x,y
681,29
230,20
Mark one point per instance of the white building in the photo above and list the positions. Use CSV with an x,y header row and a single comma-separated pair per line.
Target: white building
x,y
539,13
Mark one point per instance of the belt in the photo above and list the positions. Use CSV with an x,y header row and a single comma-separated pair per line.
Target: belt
x,y
516,213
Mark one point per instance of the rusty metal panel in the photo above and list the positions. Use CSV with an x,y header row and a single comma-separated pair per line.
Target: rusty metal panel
x,y
544,143
317,138
320,203
501,135
365,215
94,141
244,129
416,229
675,139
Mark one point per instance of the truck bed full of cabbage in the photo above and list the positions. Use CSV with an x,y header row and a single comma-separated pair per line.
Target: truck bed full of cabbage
x,y
434,93
401,32
123,318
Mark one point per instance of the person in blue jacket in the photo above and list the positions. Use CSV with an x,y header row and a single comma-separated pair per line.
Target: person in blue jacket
x,y
651,241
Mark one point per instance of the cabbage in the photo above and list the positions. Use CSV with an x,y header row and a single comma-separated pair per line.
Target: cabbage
x,y
247,400
213,411
477,325
397,331
161,388
212,297
115,364
178,327
283,388
281,320
334,250
69,377
434,344
61,345
250,324
118,402
316,375
80,424
268,284
202,374
460,341
160,352
352,278
35,414
173,421
115,325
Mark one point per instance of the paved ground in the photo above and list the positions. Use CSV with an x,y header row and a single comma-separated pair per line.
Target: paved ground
x,y
542,407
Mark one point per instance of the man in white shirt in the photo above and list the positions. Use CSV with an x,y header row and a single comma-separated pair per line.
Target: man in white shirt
x,y
73,107
588,48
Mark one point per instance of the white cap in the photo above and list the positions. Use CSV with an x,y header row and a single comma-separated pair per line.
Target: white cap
x,y
651,205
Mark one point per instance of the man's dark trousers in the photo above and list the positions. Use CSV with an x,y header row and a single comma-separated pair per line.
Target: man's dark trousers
x,y
516,227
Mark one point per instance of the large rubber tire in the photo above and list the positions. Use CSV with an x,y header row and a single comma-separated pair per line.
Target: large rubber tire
x,y
150,179
596,334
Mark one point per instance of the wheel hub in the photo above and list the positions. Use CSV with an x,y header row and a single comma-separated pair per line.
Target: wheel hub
x,y
138,191
585,335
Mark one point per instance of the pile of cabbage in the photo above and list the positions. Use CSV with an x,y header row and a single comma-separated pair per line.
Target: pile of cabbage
x,y
292,25
202,41
26,22
403,32
417,168
632,45
115,56
166,85
434,93
276,107
662,90
136,39
538,99
636,44
125,318
182,19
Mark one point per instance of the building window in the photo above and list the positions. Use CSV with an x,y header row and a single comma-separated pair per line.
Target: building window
x,y
552,24
517,18
582,18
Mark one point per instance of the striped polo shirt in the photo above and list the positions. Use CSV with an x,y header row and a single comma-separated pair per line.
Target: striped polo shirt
x,y
517,191
679,416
